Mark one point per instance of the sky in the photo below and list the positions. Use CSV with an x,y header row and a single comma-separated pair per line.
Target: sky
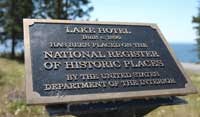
x,y
174,17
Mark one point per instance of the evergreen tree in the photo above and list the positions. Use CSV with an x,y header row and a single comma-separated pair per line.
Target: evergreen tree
x,y
12,13
63,9
197,21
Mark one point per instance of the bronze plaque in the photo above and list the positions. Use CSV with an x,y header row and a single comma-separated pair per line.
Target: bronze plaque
x,y
75,61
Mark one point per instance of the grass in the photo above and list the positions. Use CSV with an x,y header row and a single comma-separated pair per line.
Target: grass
x,y
192,109
12,96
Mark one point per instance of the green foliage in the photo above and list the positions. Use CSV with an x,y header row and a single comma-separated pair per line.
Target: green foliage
x,y
12,13
63,9
15,11
11,19
196,20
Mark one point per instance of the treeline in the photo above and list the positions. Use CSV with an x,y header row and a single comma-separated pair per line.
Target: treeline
x,y
12,13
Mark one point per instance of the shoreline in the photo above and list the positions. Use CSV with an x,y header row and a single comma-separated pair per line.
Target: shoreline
x,y
192,67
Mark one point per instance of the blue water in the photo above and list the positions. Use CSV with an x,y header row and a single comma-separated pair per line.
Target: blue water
x,y
184,52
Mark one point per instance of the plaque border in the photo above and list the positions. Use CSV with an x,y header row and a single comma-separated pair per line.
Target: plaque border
x,y
35,98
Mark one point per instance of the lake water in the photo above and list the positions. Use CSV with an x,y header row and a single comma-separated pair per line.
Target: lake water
x,y
184,52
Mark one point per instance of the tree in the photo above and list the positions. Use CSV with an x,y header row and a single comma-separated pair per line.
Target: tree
x,y
197,21
12,13
63,9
